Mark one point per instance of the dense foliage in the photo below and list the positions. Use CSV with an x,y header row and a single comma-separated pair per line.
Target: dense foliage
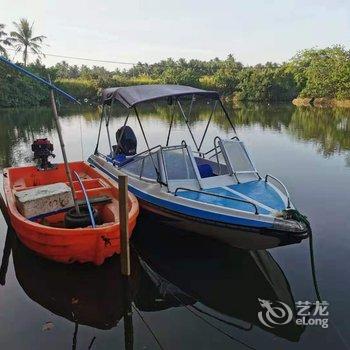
x,y
311,73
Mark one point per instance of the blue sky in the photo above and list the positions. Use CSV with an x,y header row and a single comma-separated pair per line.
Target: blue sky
x,y
147,31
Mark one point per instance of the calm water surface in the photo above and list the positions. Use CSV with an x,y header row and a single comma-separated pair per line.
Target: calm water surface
x,y
188,292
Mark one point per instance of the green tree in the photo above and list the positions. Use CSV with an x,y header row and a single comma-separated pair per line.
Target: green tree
x,y
226,77
269,82
24,40
322,72
4,40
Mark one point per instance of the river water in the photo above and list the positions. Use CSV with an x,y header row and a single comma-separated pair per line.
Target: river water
x,y
187,292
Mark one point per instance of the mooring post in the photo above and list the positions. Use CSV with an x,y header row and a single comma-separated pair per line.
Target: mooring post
x,y
124,225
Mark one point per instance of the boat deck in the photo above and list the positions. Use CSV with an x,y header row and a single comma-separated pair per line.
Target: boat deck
x,y
267,200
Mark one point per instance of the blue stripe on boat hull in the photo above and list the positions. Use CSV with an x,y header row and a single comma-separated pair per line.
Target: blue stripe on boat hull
x,y
187,210
238,236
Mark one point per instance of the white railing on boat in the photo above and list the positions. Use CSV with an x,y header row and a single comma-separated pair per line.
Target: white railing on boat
x,y
217,195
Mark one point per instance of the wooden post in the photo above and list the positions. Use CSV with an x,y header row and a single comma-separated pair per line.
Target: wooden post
x,y
124,225
63,149
128,324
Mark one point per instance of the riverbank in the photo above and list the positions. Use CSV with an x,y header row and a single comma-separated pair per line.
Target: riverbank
x,y
322,102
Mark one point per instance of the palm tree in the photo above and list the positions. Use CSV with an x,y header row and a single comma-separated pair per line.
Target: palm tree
x,y
4,40
24,40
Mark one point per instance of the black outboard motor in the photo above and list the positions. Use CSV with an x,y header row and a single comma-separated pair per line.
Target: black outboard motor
x,y
126,141
42,149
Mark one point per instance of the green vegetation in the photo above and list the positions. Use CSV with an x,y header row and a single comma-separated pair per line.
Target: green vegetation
x,y
322,72
5,40
313,73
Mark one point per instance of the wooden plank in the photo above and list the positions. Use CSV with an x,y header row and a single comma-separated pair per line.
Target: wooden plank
x,y
124,227
96,200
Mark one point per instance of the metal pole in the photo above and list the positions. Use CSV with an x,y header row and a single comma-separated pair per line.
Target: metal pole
x,y
145,138
63,149
171,125
191,105
227,116
107,127
124,125
206,128
99,129
123,224
186,121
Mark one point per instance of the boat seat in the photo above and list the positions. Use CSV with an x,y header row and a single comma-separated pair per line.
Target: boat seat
x,y
43,199
119,159
205,170
93,201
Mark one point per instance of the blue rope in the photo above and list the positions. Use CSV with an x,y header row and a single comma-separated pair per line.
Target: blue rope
x,y
86,199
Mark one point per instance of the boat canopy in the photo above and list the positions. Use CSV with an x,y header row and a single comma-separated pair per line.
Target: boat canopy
x,y
132,95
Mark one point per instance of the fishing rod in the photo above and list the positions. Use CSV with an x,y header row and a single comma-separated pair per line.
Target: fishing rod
x,y
39,79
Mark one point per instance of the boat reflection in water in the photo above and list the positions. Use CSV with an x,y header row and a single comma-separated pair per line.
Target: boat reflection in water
x,y
211,279
169,269
82,293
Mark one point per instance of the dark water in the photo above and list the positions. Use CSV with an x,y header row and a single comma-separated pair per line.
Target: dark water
x,y
187,292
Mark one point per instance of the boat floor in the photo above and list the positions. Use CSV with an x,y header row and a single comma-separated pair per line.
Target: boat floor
x,y
96,188
259,192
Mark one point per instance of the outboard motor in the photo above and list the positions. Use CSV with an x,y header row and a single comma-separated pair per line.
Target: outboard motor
x,y
126,141
42,149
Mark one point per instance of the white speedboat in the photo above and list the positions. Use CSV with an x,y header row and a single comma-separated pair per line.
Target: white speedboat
x,y
216,192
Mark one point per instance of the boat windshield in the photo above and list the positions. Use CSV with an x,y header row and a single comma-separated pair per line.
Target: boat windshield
x,y
177,164
236,156
143,167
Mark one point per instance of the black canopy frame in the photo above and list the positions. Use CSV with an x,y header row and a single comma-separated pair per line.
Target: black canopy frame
x,y
130,97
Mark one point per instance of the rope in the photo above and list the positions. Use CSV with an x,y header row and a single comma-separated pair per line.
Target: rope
x,y
79,58
211,325
222,320
148,327
294,214
318,295
91,343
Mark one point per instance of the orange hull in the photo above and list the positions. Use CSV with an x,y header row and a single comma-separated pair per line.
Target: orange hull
x,y
47,238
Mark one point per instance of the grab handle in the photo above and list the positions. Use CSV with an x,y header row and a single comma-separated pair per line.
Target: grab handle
x,y
283,186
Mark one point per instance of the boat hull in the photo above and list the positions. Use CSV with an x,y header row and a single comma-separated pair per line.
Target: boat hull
x,y
71,245
236,236
256,233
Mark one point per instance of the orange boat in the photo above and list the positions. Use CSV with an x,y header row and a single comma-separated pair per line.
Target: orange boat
x,y
47,234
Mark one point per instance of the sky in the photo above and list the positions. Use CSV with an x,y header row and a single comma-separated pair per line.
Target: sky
x,y
253,31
